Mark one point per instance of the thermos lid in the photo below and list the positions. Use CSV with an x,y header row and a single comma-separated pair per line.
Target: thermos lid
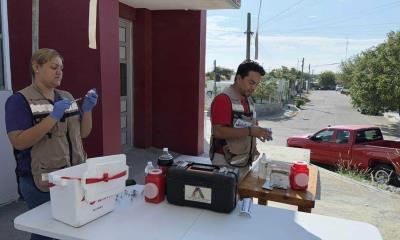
x,y
155,171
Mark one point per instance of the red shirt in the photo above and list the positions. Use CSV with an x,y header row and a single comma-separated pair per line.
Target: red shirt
x,y
221,110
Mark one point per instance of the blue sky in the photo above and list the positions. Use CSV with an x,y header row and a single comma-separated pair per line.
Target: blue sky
x,y
317,30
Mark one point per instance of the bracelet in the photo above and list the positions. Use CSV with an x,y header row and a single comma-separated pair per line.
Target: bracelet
x,y
249,128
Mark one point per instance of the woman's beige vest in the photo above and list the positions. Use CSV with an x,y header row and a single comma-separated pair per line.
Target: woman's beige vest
x,y
239,152
62,146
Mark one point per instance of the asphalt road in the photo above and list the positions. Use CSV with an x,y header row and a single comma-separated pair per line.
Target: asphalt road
x,y
325,108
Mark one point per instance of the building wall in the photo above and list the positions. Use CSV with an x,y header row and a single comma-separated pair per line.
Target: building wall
x,y
84,68
168,71
178,80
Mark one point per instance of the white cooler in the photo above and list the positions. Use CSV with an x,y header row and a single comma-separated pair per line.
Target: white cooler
x,y
82,193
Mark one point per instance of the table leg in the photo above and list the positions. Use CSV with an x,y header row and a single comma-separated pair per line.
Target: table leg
x,y
262,201
304,209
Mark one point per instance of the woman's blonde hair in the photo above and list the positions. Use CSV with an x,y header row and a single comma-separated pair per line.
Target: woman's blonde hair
x,y
42,56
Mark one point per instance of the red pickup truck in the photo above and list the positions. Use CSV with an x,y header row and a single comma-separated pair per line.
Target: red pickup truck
x,y
360,145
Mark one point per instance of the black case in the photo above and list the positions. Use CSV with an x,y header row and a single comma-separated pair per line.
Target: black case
x,y
206,186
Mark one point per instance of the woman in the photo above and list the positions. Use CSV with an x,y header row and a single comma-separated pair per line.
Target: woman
x,y
45,127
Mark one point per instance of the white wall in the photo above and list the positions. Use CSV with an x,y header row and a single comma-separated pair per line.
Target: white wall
x,y
8,182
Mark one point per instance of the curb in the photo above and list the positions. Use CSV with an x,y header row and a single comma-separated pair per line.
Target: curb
x,y
350,180
297,110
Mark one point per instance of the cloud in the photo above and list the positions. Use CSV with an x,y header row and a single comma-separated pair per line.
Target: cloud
x,y
312,16
228,46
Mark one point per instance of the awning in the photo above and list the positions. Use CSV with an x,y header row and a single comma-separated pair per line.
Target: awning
x,y
183,4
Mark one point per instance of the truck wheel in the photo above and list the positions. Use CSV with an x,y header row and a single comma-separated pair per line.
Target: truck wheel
x,y
383,174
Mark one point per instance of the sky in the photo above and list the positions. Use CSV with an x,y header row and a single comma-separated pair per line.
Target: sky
x,y
318,30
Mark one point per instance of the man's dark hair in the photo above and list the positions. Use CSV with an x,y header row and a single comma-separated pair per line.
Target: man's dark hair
x,y
248,65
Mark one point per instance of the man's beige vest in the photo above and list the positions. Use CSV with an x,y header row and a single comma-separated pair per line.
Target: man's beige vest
x,y
238,152
62,146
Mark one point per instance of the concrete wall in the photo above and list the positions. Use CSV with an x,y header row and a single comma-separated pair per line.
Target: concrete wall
x,y
265,109
8,182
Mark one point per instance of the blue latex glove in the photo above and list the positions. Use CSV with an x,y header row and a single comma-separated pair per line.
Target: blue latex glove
x,y
59,109
90,101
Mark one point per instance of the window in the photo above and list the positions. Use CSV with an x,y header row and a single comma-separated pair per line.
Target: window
x,y
368,135
324,136
342,136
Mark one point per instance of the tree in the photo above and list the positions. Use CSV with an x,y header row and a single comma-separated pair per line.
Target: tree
x,y
224,73
327,79
374,76
266,90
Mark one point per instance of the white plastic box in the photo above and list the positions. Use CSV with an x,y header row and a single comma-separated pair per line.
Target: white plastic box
x,y
82,193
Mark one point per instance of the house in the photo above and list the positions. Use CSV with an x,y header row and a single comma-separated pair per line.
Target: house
x,y
146,59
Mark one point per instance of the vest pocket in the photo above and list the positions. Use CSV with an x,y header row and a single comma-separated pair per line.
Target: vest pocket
x,y
60,129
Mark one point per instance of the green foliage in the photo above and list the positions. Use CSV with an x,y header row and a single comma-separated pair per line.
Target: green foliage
x,y
327,79
374,76
266,89
225,73
299,102
344,167
285,73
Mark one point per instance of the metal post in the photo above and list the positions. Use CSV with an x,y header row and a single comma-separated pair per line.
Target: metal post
x,y
35,25
248,36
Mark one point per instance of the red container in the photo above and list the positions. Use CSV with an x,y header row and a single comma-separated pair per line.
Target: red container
x,y
299,176
154,188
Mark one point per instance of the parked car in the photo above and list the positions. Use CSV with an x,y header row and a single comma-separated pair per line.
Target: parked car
x,y
338,87
363,147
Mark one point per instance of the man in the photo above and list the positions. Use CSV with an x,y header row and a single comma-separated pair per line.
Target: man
x,y
233,118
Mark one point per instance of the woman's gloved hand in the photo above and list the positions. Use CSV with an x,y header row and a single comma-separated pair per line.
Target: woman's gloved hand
x,y
90,101
59,109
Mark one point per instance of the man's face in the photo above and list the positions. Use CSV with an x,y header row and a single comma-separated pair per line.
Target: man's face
x,y
248,84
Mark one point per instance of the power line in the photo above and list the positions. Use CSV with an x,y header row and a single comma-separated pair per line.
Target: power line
x,y
282,12
361,13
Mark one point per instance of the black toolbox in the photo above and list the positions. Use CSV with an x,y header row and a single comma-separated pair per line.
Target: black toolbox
x,y
203,186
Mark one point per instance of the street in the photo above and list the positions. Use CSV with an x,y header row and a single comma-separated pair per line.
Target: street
x,y
325,108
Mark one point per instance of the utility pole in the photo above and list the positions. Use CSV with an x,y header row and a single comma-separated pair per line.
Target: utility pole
x,y
256,40
248,33
309,75
347,46
302,76
215,78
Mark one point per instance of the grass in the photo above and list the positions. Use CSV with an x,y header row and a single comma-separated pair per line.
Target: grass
x,y
344,167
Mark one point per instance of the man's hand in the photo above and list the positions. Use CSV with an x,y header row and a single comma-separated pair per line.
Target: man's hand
x,y
261,133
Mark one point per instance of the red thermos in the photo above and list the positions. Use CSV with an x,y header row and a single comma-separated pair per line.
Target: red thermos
x,y
154,188
299,176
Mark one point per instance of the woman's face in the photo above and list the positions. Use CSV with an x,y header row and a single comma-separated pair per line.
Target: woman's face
x,y
50,74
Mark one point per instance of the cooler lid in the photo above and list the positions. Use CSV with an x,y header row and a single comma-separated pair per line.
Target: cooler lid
x,y
104,177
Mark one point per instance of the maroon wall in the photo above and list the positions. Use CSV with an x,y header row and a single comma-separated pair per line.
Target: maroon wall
x,y
178,80
143,79
64,27
20,33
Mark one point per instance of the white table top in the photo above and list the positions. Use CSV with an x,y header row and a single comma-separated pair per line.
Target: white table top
x,y
137,219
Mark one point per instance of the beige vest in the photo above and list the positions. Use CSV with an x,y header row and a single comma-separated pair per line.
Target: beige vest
x,y
62,146
239,152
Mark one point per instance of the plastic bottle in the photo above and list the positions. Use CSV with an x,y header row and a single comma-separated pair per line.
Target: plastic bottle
x,y
268,166
262,166
165,161
148,168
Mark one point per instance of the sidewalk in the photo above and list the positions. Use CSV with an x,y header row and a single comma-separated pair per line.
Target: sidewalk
x,y
393,117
